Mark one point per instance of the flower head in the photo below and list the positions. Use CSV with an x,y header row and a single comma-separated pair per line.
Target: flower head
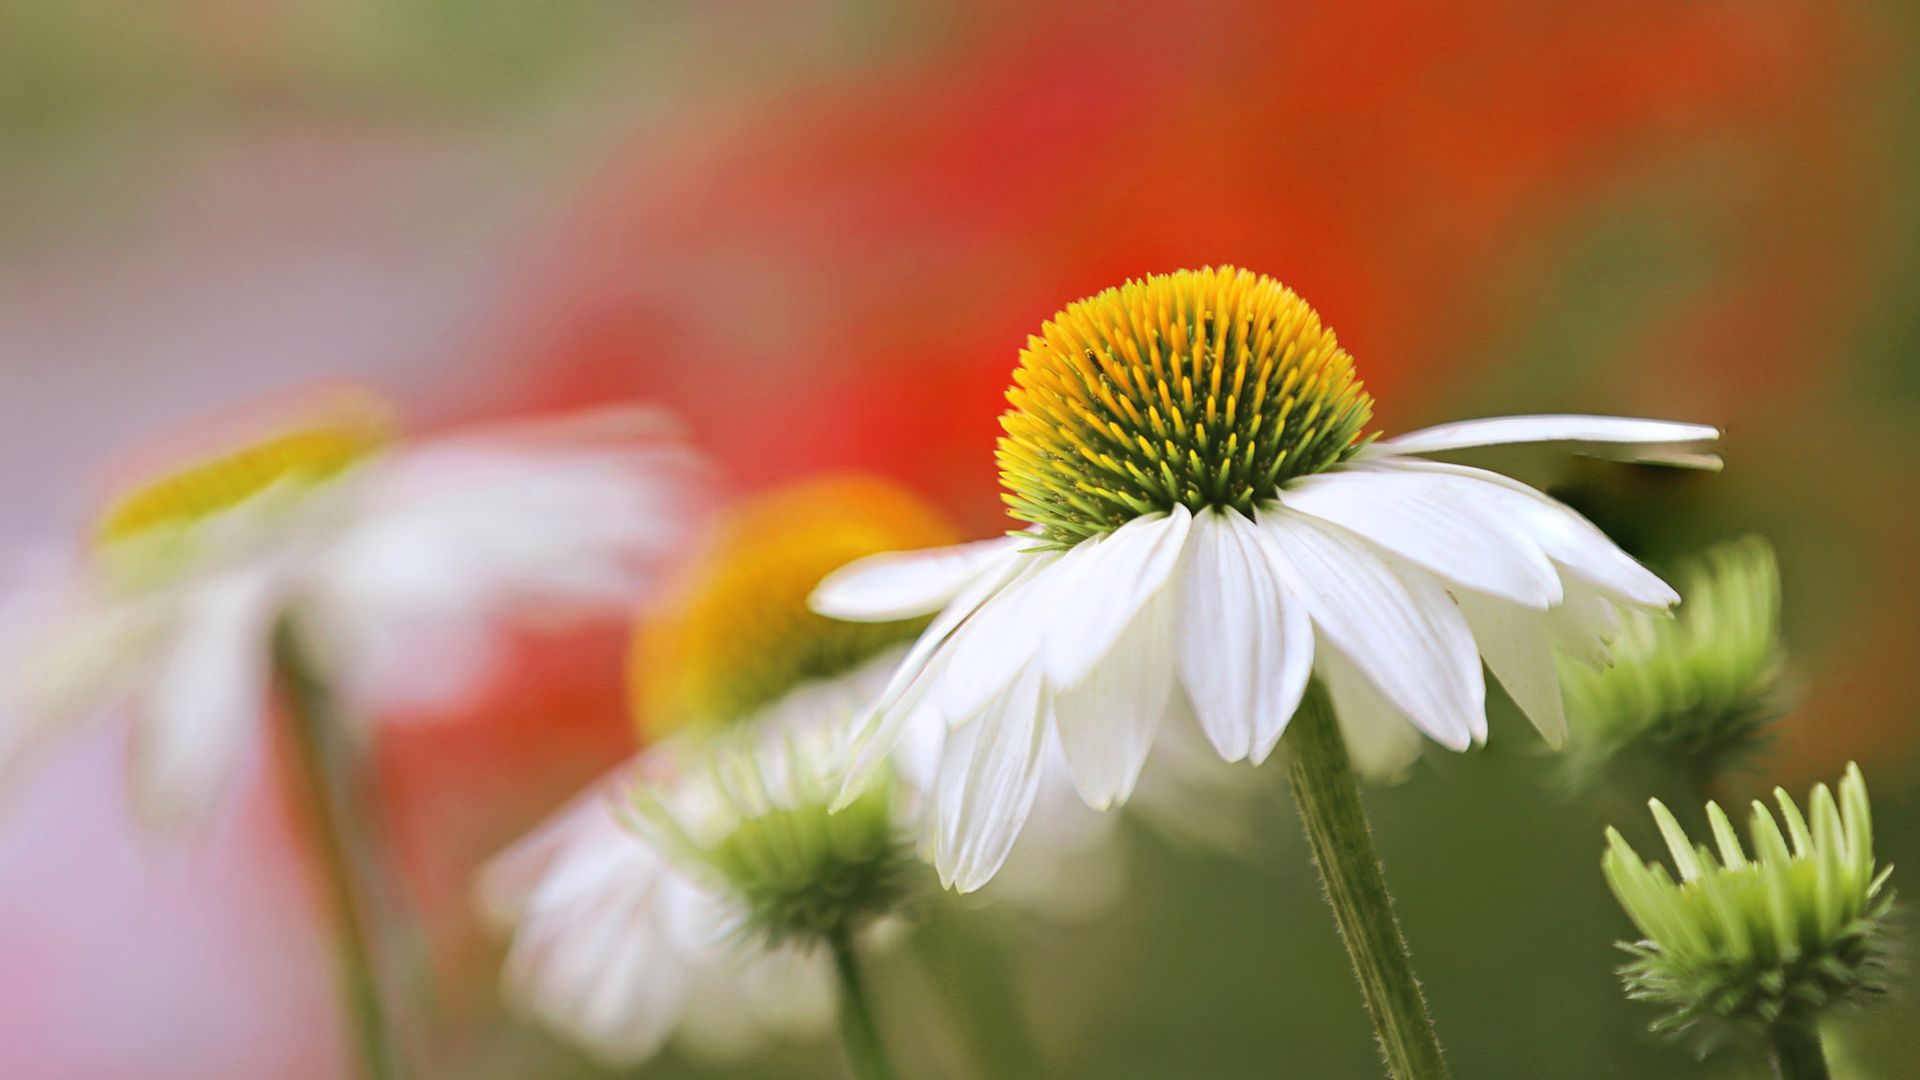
x,y
1212,531
1700,687
396,561
1760,940
1206,388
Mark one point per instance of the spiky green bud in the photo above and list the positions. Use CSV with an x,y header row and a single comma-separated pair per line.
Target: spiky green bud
x,y
1698,688
1762,941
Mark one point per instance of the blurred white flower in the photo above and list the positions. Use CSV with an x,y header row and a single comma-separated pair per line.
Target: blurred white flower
x,y
619,949
597,899
1210,530
396,562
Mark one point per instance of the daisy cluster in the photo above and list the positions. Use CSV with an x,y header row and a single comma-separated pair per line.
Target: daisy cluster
x,y
832,687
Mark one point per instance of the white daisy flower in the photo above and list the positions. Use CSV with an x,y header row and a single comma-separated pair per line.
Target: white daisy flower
x,y
395,561
628,930
1210,530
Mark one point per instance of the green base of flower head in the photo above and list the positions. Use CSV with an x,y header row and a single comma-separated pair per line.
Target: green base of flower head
x,y
1757,943
806,875
1198,388
1697,690
752,818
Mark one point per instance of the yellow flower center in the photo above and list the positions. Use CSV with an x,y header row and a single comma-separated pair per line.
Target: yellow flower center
x,y
1198,388
154,528
741,636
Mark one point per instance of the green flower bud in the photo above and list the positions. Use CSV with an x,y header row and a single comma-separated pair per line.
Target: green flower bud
x,y
1763,941
1698,688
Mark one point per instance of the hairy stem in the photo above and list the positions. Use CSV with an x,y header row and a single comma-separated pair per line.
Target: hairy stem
x,y
1356,888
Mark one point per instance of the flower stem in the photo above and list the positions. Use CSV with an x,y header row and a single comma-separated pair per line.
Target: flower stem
x,y
1336,825
310,710
976,985
857,1030
1797,1053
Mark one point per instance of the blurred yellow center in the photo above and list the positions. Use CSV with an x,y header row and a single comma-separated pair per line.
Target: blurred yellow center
x,y
740,636
298,458
1197,388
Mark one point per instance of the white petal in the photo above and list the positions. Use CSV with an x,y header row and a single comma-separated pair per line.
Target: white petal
x,y
198,718
546,520
1107,720
1571,541
1245,646
987,652
600,950
1583,626
1517,645
873,738
1380,740
1106,581
1396,624
1660,441
1411,515
906,584
66,651
988,779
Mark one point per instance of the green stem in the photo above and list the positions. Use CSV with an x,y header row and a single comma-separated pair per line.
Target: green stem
x,y
971,975
312,724
1328,797
857,1030
1797,1053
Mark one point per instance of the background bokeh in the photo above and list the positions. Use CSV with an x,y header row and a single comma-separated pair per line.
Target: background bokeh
x,y
819,231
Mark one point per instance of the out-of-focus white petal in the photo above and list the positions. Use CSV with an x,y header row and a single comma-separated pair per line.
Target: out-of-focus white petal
x,y
1381,741
1659,441
906,584
527,524
1244,646
1395,623
65,651
613,946
1108,580
1517,646
988,779
196,721
1107,720
730,1013
1463,540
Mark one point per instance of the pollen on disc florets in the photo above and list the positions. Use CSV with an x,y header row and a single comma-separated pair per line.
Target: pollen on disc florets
x,y
740,634
1199,388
